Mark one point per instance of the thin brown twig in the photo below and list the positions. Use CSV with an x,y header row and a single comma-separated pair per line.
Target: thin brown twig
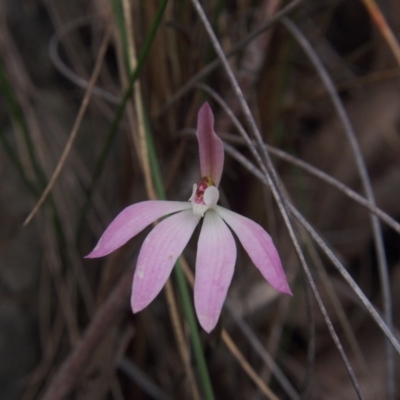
x,y
105,318
366,184
142,150
63,293
328,179
329,253
384,28
336,303
139,138
270,174
217,62
231,345
77,124
182,346
77,79
42,370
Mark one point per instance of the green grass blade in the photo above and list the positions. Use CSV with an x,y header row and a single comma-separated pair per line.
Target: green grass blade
x,y
20,120
120,111
17,163
182,284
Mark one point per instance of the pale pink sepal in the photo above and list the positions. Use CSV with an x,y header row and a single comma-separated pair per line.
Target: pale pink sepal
x,y
132,220
259,247
160,250
216,257
211,148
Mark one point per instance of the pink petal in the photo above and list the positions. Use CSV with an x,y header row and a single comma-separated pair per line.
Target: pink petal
x,y
259,247
211,148
130,221
163,245
216,257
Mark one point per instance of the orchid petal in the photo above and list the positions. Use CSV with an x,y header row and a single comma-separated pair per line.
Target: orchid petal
x,y
211,148
259,247
216,257
132,220
163,245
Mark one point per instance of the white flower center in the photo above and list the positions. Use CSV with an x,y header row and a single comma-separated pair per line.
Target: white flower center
x,y
201,202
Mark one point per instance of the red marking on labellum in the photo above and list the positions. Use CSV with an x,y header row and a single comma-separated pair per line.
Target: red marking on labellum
x,y
204,183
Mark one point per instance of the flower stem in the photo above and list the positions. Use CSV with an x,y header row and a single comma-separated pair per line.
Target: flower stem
x,y
159,187
182,284
195,336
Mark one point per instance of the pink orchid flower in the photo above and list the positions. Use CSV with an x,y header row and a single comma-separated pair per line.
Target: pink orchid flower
x,y
216,248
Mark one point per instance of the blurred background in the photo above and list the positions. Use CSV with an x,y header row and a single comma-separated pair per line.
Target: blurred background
x,y
114,86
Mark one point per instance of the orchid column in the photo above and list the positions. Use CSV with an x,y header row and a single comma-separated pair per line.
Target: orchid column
x,y
216,248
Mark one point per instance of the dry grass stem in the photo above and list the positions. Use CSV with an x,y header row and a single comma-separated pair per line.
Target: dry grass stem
x,y
77,124
99,103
